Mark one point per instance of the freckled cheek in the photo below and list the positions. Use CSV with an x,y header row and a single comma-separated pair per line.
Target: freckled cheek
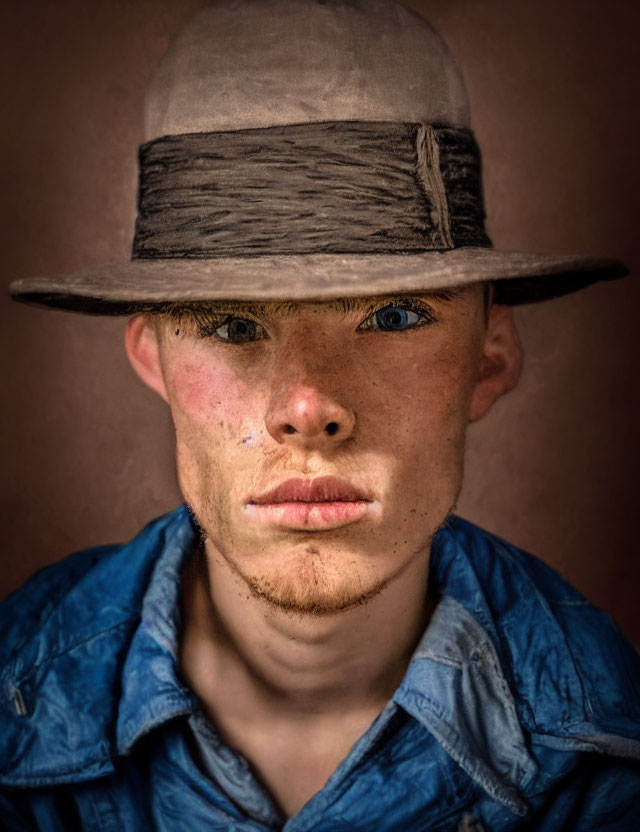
x,y
425,426
421,394
207,398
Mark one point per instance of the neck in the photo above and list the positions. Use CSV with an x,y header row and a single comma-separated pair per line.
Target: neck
x,y
239,650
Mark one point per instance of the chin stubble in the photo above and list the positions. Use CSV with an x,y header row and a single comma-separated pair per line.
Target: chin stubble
x,y
312,595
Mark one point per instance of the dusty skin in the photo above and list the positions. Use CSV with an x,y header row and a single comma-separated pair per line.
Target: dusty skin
x,y
320,446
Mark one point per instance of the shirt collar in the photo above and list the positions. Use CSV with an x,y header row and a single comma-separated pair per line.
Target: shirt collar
x,y
152,691
455,685
456,688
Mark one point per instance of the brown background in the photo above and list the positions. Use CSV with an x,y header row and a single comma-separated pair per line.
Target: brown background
x,y
87,451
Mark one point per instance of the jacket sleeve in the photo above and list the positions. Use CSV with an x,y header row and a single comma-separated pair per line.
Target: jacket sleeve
x,y
611,799
602,794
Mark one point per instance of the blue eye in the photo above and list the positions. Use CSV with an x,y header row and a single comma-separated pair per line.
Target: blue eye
x,y
394,318
238,330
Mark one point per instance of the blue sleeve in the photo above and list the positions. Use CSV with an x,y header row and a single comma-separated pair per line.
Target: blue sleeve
x,y
612,799
600,795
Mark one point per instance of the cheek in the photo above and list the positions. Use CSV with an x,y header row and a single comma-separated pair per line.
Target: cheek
x,y
211,415
429,427
207,399
427,395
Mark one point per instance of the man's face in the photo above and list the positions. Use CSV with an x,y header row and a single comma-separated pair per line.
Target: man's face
x,y
320,445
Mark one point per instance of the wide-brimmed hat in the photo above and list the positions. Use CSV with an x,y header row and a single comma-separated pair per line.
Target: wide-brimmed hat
x,y
309,149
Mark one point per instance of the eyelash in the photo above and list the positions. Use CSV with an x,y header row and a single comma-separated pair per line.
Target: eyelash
x,y
422,310
208,324
210,327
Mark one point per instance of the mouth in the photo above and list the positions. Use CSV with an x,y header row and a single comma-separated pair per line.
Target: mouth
x,y
310,505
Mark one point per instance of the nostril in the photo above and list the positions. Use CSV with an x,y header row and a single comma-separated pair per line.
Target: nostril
x,y
289,429
332,428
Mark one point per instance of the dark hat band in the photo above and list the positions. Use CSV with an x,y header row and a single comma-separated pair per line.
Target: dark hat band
x,y
331,187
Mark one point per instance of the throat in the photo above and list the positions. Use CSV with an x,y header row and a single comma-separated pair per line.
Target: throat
x,y
294,759
238,649
293,693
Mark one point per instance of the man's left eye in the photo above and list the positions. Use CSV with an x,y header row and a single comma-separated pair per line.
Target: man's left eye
x,y
393,318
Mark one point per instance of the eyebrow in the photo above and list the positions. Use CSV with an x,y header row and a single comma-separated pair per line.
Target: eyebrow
x,y
288,308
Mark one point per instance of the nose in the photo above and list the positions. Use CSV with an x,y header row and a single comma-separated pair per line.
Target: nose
x,y
304,416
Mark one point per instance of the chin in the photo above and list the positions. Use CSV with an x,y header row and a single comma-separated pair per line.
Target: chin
x,y
311,582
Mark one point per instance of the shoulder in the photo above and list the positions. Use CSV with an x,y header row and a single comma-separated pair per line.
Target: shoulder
x,y
52,588
83,594
65,633
574,672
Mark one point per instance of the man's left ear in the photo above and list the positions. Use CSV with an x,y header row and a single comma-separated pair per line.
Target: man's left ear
x,y
501,362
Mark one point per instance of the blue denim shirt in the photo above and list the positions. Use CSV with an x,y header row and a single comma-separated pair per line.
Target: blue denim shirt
x,y
520,708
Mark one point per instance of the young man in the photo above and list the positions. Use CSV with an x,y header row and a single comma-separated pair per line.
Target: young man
x,y
315,643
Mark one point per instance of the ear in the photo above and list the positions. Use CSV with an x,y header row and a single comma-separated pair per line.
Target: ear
x,y
142,343
501,362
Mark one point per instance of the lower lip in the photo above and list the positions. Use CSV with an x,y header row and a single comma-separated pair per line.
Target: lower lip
x,y
308,516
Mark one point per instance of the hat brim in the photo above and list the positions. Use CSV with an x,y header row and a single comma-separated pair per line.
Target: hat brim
x,y
120,289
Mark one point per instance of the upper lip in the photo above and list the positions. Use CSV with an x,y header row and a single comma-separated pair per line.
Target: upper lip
x,y
318,490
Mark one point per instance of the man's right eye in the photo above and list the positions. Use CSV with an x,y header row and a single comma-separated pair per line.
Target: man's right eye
x,y
236,330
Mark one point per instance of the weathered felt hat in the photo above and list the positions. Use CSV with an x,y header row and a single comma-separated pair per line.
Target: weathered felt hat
x,y
309,149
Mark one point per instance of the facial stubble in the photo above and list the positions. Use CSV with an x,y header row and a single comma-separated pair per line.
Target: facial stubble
x,y
310,584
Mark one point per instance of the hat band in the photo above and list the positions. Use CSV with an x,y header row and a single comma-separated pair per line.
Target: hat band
x,y
330,187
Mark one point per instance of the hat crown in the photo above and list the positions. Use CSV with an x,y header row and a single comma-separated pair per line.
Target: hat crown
x,y
258,63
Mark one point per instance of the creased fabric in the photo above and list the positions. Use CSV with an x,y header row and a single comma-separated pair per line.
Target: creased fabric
x,y
519,709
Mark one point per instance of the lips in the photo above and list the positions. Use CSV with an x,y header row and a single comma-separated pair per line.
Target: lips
x,y
310,505
319,490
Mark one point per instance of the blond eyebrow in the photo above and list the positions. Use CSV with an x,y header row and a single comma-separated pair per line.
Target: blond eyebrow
x,y
287,308
347,305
